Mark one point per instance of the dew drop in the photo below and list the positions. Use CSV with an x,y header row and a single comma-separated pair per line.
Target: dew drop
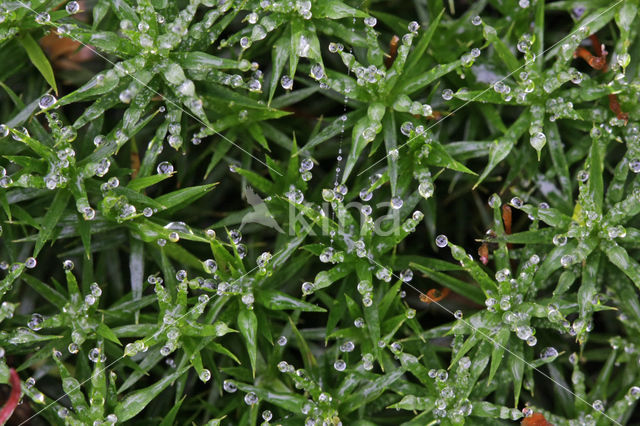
x,y
46,101
396,203
442,241
205,375
72,7
164,168
251,398
340,365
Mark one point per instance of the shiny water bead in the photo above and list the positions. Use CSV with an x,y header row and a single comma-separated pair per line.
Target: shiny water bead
x,y
306,165
340,365
364,287
633,394
46,101
523,332
29,383
413,26
442,241
72,7
30,262
251,398
458,314
266,415
235,236
370,21
174,141
358,322
634,165
94,355
73,348
516,202
406,275
210,266
181,275
347,346
532,340
317,72
406,128
447,94
426,189
598,405
442,375
524,3
566,260
559,239
383,274
465,362
282,340
161,242
396,203
43,18
548,353
307,288
205,375
502,275
164,168
248,300
582,175
147,212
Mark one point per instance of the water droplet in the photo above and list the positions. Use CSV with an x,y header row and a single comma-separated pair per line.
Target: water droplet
x,y
94,355
413,26
47,101
566,260
465,362
516,202
582,175
210,266
476,20
43,18
358,322
205,375
347,346
317,72
72,7
442,241
559,239
267,415
458,314
36,322
73,348
549,353
164,168
634,165
30,262
307,288
396,203
370,21
538,140
282,340
503,275
532,340
523,3
598,405
251,398
340,365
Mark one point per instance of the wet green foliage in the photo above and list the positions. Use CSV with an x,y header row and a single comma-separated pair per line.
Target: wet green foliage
x,y
261,211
